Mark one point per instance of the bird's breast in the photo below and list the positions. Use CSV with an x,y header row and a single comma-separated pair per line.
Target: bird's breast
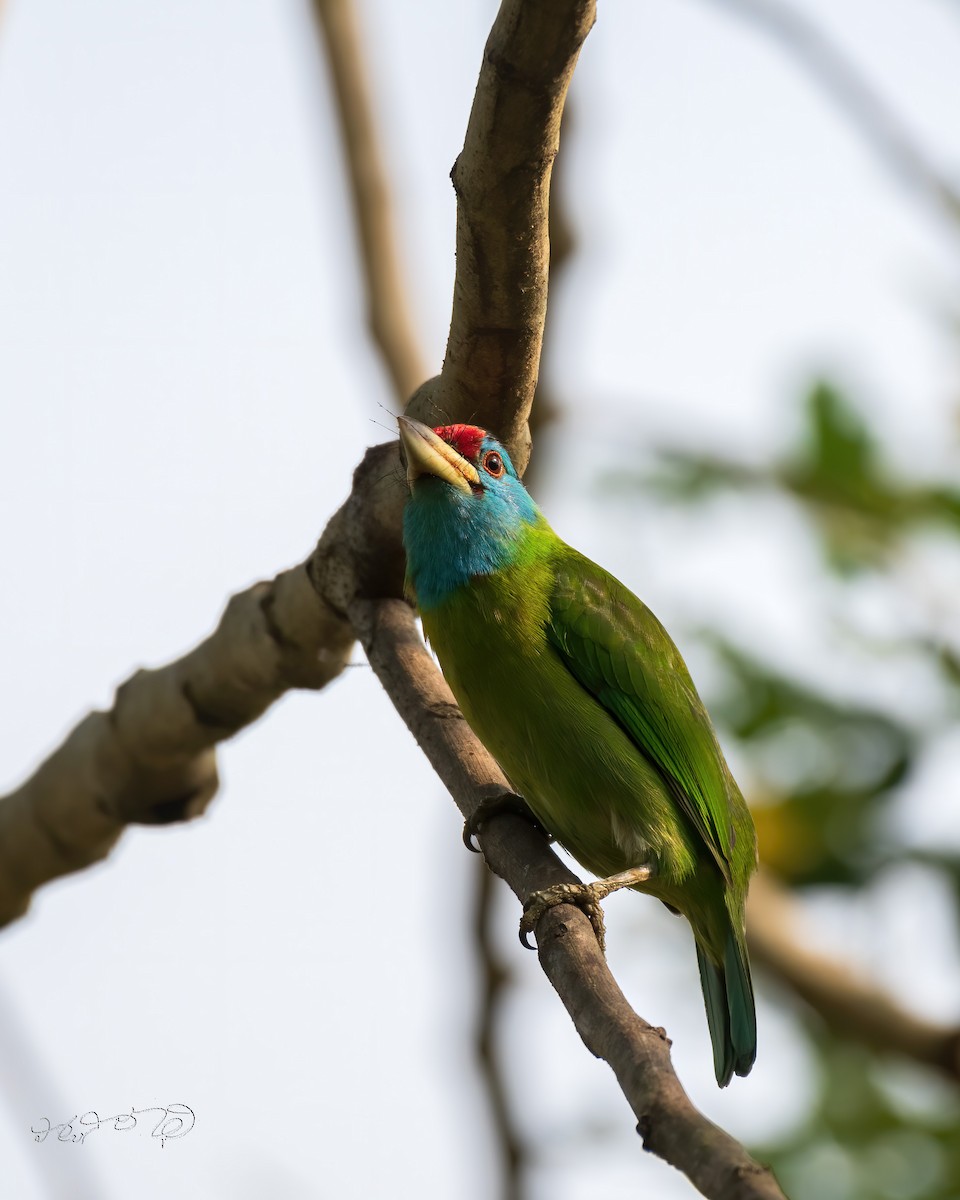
x,y
561,749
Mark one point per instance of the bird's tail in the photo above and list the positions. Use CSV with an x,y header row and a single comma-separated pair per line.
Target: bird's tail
x,y
731,1015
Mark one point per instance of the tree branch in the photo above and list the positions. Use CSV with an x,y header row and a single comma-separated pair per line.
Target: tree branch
x,y
571,958
493,975
388,308
849,1003
502,181
149,760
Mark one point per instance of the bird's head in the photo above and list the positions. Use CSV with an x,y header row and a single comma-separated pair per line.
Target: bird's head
x,y
467,511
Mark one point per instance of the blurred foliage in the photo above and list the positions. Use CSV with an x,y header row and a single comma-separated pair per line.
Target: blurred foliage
x,y
826,775
861,508
871,1135
827,770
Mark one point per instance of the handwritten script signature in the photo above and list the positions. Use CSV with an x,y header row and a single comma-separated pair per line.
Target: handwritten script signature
x,y
176,1121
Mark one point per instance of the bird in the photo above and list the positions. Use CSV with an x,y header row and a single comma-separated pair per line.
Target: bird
x,y
581,696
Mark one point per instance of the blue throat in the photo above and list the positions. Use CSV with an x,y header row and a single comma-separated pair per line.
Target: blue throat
x,y
451,537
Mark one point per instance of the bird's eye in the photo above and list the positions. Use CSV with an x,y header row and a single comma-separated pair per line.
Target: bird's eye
x,y
493,464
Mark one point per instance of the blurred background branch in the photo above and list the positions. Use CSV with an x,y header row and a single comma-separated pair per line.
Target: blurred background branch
x,y
877,122
848,1002
388,302
494,980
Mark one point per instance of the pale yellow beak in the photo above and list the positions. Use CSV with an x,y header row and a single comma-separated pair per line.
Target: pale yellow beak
x,y
428,454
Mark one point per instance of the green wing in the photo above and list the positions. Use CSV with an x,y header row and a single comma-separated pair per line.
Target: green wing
x,y
617,649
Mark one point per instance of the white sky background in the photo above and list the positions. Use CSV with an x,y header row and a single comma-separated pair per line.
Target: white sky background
x,y
185,387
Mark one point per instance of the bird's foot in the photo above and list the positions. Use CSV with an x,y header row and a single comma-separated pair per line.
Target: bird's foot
x,y
580,894
586,896
493,806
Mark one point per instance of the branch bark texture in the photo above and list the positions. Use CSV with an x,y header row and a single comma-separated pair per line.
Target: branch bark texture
x,y
150,759
502,181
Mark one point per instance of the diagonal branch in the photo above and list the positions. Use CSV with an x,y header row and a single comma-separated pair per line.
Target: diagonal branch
x,y
849,1002
150,760
571,958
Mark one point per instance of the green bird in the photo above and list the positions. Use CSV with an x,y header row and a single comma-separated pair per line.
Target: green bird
x,y
579,693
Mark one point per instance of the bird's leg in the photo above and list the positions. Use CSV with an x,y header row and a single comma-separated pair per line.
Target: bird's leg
x,y
492,806
586,896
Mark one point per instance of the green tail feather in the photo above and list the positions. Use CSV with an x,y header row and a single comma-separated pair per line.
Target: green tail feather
x,y
731,1016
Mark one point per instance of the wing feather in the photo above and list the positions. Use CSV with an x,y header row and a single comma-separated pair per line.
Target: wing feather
x,y
617,649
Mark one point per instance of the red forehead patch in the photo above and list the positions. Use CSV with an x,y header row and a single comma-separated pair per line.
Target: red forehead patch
x,y
465,439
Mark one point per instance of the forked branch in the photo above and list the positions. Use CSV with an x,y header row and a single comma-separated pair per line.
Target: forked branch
x,y
150,758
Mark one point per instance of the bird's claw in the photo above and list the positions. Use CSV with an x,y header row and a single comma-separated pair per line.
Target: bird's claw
x,y
583,895
492,806
586,897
